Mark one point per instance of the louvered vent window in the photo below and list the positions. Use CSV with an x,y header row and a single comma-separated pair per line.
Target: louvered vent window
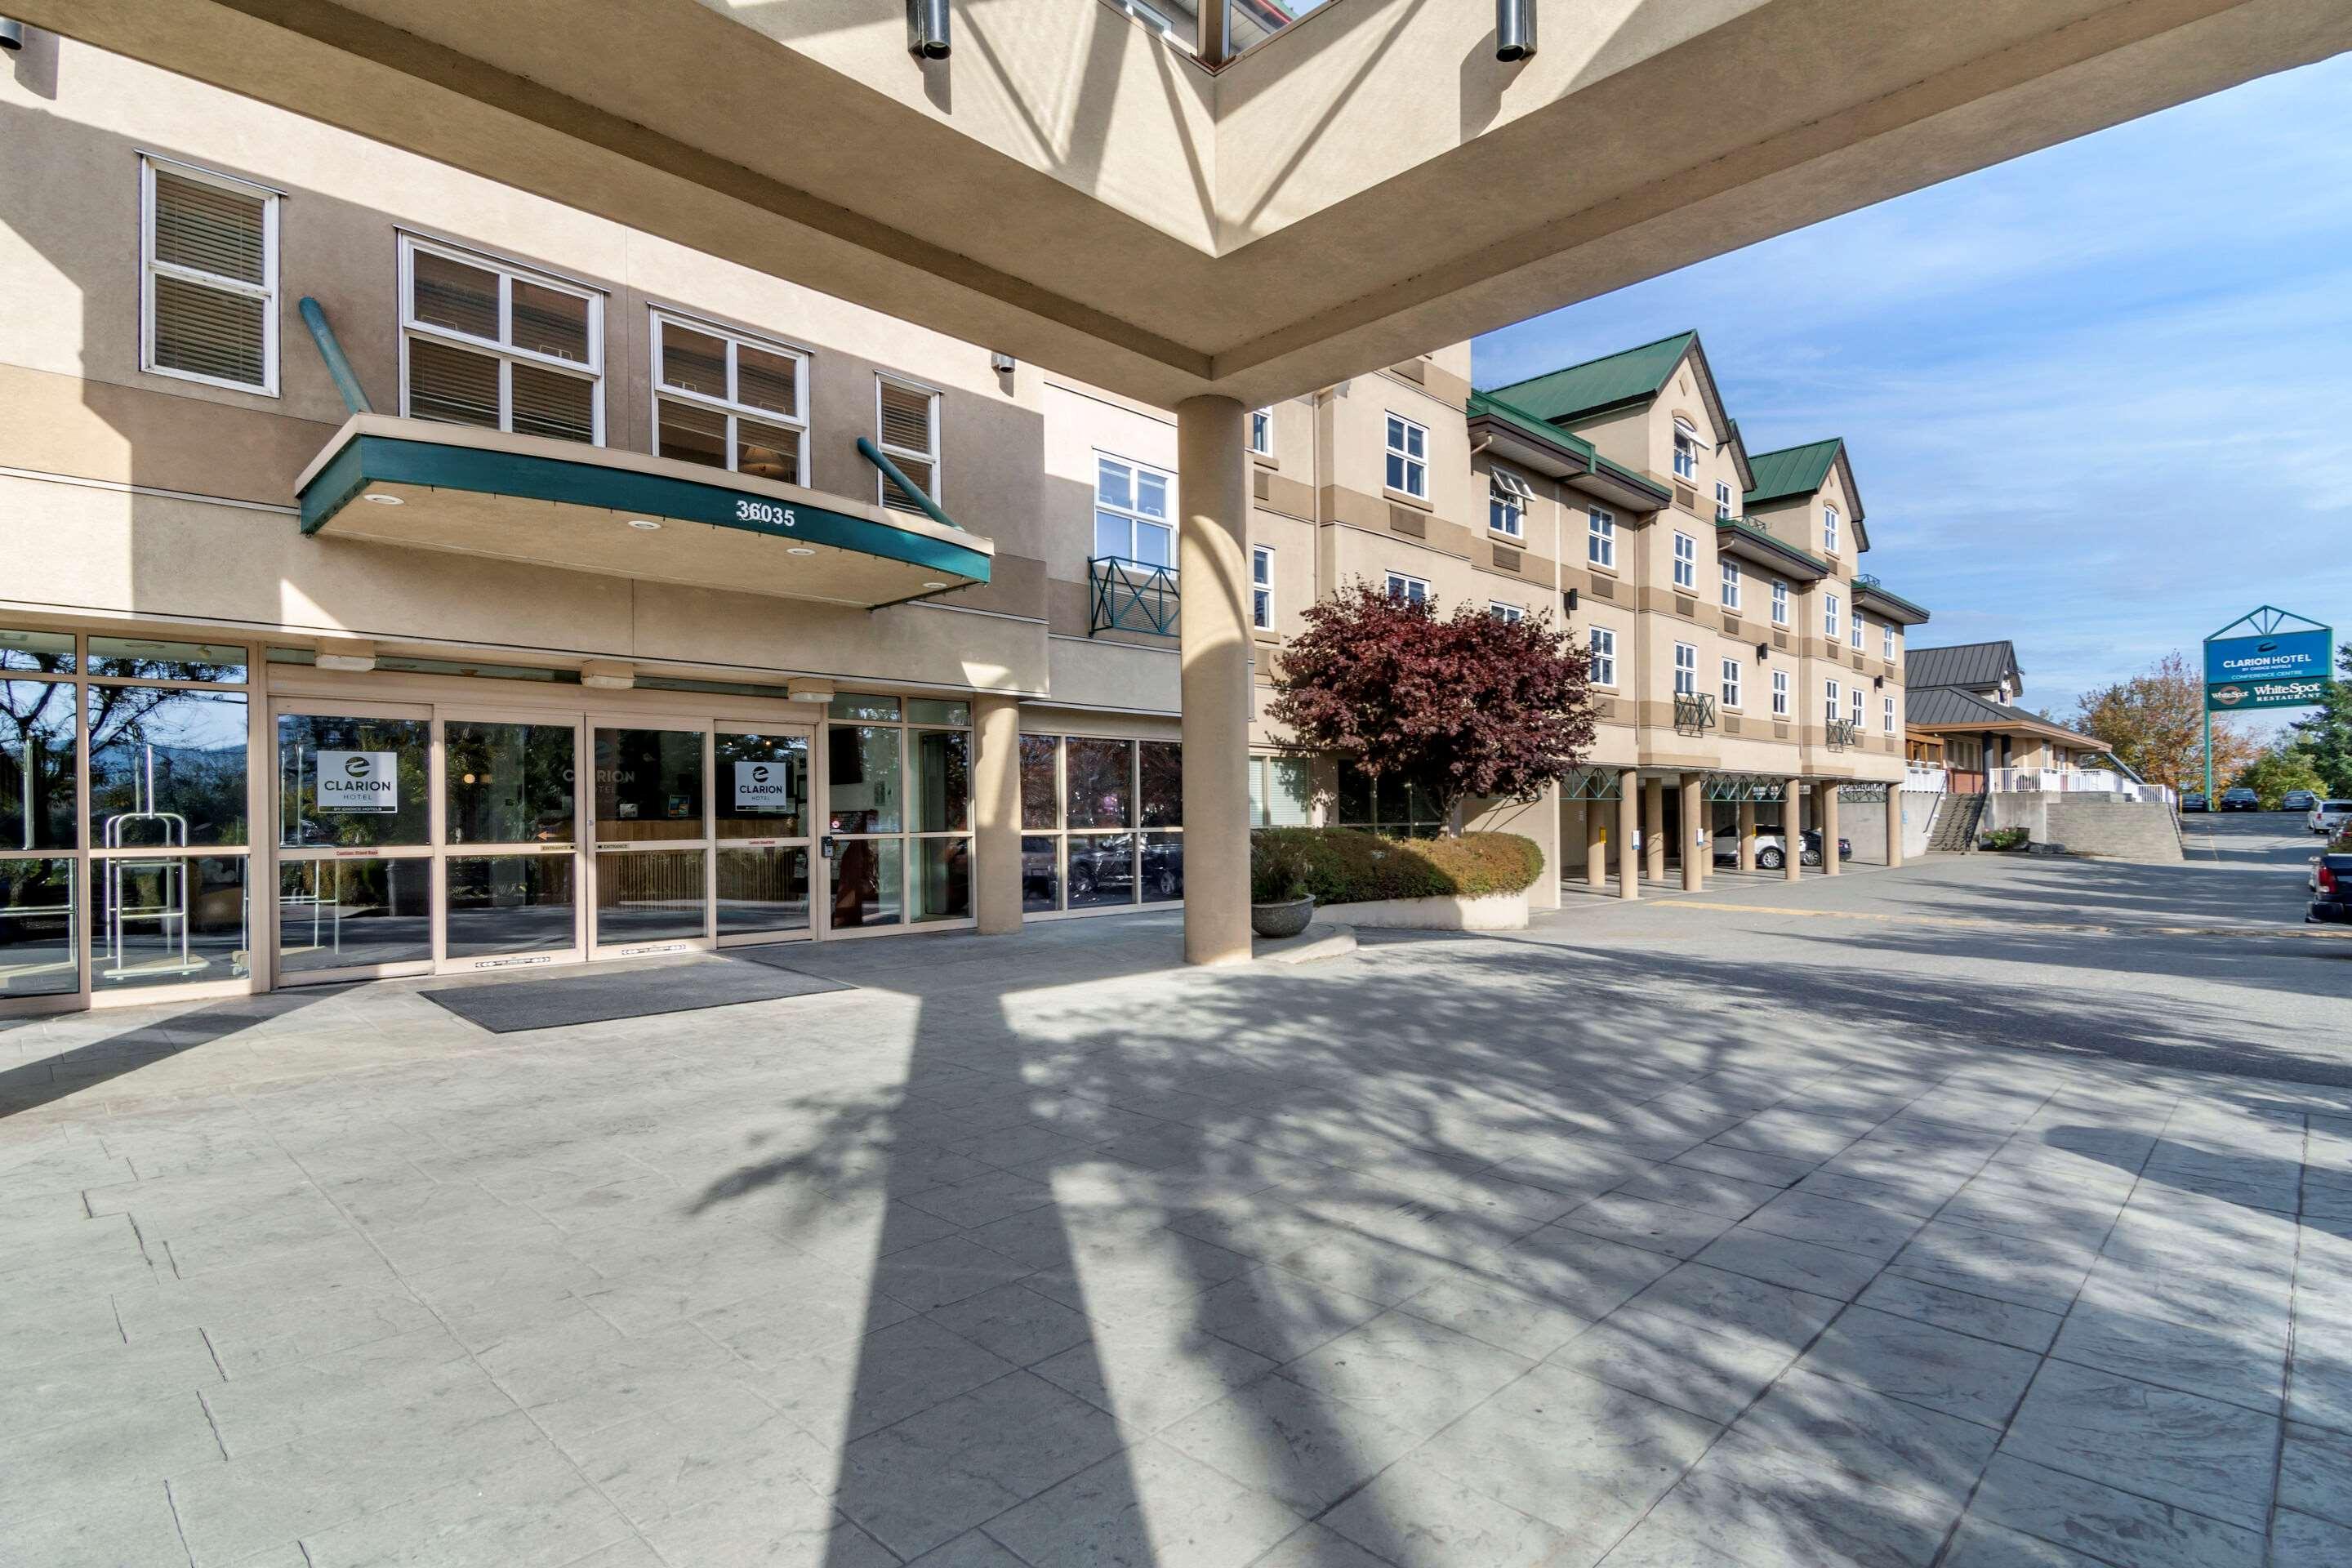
x,y
728,401
490,345
910,438
210,247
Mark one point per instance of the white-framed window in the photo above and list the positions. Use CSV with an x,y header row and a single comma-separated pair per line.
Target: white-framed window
x,y
1829,616
1601,539
1890,715
1731,683
1731,585
1261,588
489,343
1830,712
1685,563
1408,456
1830,529
1685,450
1780,694
1134,516
1261,436
1779,603
1408,590
1886,641
1856,628
1726,507
729,400
907,427
1857,707
1508,498
1605,656
207,278
1685,669
1503,612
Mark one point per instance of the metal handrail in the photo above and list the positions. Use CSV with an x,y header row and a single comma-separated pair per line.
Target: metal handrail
x,y
1121,586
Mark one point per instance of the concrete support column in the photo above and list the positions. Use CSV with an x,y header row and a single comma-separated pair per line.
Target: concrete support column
x,y
1654,829
996,812
1694,856
1893,826
1596,846
1629,813
1212,625
1829,827
1748,835
1792,823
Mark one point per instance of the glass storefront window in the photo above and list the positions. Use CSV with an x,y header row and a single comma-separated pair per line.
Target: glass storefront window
x,y
862,779
352,782
138,658
865,882
167,920
1100,775
509,903
929,710
167,767
856,705
346,914
764,889
1161,783
1102,869
1041,874
1041,791
654,895
50,653
1399,811
1163,867
37,929
942,879
37,772
763,785
649,783
940,796
509,784
1282,792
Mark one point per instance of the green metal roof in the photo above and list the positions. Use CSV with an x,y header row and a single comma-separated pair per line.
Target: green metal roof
x,y
1493,407
1628,377
1791,471
1757,531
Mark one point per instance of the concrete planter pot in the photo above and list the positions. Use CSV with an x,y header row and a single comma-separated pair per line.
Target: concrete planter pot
x,y
1285,918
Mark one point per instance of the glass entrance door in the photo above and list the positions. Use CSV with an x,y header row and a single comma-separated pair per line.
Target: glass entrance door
x,y
763,811
355,834
652,820
511,804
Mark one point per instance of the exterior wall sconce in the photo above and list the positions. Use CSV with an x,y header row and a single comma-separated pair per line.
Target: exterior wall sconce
x,y
1568,601
1763,651
1514,30
1877,681
927,29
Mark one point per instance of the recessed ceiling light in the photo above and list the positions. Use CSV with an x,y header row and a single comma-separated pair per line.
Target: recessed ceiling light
x,y
798,550
935,584
648,524
381,500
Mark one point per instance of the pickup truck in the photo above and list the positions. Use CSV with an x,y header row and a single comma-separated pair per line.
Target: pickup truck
x,y
2331,877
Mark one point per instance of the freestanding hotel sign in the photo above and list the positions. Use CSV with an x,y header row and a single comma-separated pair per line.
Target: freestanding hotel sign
x,y
2267,659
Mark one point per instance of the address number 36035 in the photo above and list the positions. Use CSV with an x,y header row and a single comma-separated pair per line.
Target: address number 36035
x,y
774,516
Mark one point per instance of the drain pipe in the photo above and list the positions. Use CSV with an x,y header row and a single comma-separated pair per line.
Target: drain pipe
x,y
339,369
12,35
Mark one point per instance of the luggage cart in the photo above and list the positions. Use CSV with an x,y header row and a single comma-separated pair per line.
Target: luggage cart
x,y
170,905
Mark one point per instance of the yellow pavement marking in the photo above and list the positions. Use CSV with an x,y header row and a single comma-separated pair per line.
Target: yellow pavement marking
x,y
2319,933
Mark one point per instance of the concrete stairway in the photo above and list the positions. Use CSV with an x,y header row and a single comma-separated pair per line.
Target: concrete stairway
x,y
1954,830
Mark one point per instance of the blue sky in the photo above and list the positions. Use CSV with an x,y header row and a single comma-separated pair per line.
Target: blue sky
x,y
2099,400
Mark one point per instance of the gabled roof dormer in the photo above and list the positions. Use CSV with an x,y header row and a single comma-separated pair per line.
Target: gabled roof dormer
x,y
1795,473
1629,378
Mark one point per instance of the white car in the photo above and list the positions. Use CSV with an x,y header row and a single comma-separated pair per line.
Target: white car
x,y
2331,816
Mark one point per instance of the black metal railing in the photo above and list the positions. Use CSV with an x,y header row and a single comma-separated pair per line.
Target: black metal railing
x,y
1131,597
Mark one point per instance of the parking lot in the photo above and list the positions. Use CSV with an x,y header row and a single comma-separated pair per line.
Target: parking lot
x,y
1991,1211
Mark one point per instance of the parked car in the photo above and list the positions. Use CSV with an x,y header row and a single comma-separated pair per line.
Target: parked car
x,y
2331,816
2331,892
2298,800
2240,798
2193,801
1771,849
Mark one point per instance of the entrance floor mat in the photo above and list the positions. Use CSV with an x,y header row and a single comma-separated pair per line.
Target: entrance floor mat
x,y
507,1007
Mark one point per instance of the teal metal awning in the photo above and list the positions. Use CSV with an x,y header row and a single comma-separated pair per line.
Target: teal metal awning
x,y
595,508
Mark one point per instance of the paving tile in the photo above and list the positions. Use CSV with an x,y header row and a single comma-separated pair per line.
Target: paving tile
x,y
1872,1437
1313,1546
1778,1509
1919,1196
1588,1275
1152,1374
1416,1516
2003,1322
116,1377
2030,1271
82,1466
1875,1233
2316,1473
1746,1164
1979,1545
2245,1365
1014,1323
1922,1364
1783,1261
923,1481
1279,1314
129,1525
972,1549
1507,1319
1000,1194
681,1455
1673,1362
848,1389
1734,1304
2180,1448
1708,1192
2091,1517
784,1526
1305,1448
423,1377
1673,1230
1147,1505
1414,1373
938,1272
539,1513
2301,1541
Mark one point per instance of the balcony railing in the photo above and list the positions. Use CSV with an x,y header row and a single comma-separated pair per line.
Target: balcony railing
x,y
1843,732
1694,712
1131,597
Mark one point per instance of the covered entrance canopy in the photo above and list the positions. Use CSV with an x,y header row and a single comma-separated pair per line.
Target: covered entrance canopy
x,y
599,509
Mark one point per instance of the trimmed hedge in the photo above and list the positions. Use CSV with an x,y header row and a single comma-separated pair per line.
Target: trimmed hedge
x,y
1346,865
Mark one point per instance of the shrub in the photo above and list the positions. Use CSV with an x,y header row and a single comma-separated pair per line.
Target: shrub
x,y
1277,870
2006,838
1344,865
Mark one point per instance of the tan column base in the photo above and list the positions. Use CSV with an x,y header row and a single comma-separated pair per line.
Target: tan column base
x,y
1654,829
1596,844
996,812
1693,854
1629,813
1214,641
1893,826
1748,835
1792,829
1830,827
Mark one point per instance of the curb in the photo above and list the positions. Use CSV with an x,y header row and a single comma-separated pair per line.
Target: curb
x,y
1316,943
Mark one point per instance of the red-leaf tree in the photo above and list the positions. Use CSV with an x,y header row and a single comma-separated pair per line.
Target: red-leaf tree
x,y
1458,706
